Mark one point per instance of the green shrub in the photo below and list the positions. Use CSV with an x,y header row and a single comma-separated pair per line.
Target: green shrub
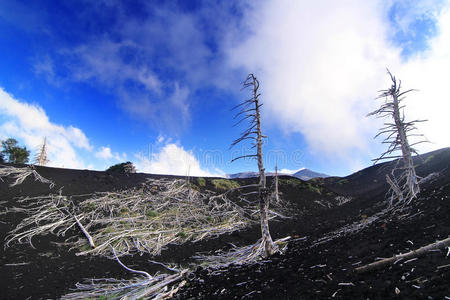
x,y
151,213
201,181
290,181
314,189
428,159
225,184
124,168
342,181
181,234
108,229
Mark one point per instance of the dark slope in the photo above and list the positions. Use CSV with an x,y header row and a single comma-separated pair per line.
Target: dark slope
x,y
324,271
372,180
319,272
51,270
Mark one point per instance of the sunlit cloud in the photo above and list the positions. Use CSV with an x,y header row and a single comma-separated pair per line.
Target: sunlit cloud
x,y
321,64
30,124
173,160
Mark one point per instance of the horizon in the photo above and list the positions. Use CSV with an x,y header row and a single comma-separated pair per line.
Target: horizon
x,y
107,82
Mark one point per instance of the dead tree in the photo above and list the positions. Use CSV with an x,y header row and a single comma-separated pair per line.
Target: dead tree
x,y
249,110
276,193
403,180
41,156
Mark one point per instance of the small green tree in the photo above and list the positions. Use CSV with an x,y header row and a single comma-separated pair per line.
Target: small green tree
x,y
13,153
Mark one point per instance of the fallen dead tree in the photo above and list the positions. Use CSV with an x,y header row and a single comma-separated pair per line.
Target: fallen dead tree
x,y
411,254
18,175
145,286
350,229
139,220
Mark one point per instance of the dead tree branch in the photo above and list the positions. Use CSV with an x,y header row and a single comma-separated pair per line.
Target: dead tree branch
x,y
20,174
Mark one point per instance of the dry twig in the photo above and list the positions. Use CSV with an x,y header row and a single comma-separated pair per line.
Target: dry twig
x,y
20,174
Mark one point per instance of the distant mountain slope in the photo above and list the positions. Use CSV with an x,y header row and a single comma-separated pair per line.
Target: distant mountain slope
x,y
372,180
303,174
242,175
307,174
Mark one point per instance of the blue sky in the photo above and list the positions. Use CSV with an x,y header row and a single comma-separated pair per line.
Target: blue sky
x,y
154,82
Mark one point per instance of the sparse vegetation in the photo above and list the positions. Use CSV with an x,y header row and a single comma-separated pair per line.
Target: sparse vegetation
x,y
342,181
225,184
428,159
291,181
151,213
313,188
201,182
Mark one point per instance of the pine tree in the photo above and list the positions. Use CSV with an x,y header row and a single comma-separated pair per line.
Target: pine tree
x,y
13,153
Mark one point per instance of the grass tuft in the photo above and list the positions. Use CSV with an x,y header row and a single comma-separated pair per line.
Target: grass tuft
x,y
225,184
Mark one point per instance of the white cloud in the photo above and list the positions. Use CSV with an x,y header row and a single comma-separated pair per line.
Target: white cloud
x,y
428,72
45,67
160,139
105,153
101,60
321,64
31,124
173,160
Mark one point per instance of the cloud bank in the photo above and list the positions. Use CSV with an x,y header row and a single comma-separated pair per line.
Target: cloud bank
x,y
321,64
67,144
174,160
30,124
105,153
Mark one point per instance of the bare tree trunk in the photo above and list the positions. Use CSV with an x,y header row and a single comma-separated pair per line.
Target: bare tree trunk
x,y
277,196
264,199
250,111
408,164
